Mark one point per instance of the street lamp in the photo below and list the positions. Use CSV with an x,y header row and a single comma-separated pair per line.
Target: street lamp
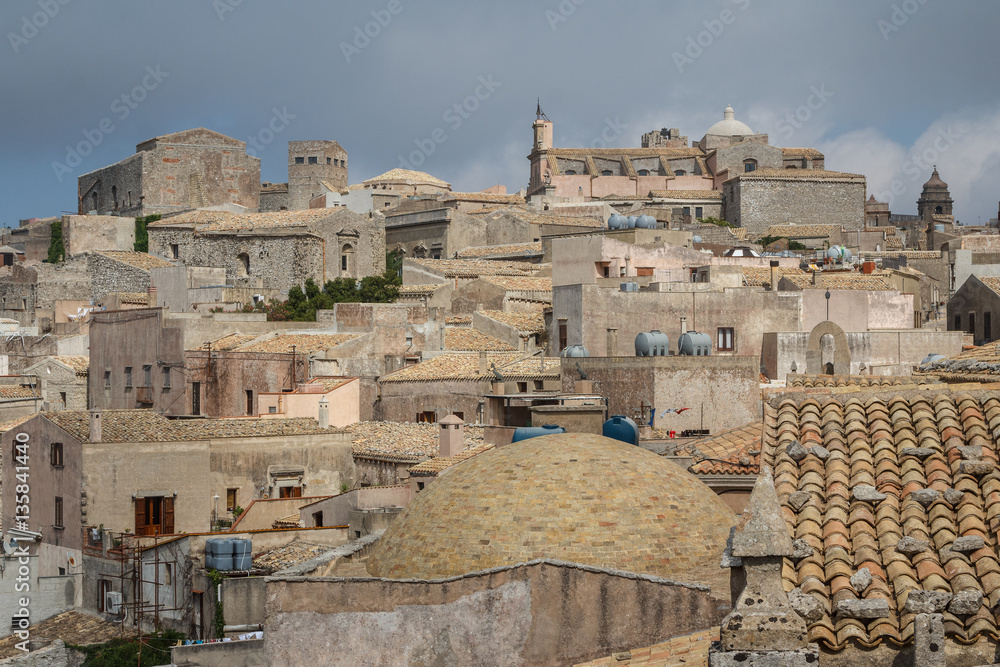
x,y
828,305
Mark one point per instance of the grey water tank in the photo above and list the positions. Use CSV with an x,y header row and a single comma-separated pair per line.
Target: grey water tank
x,y
616,221
695,239
620,427
694,344
242,559
630,287
652,344
576,351
645,222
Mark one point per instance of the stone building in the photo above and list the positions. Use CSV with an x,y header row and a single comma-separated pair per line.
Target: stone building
x,y
136,361
972,306
407,183
935,200
606,503
764,197
19,294
174,172
274,250
63,381
311,165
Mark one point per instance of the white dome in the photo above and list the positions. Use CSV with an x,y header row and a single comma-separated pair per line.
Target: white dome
x,y
729,126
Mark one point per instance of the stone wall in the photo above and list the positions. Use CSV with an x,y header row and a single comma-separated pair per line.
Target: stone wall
x,y
19,294
246,653
554,614
403,401
227,377
758,203
52,655
110,275
68,280
87,233
304,178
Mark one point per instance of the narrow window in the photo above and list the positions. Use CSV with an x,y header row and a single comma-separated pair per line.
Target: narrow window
x,y
128,377
972,324
698,212
328,160
56,454
958,323
300,160
166,377
114,196
175,251
147,375
726,339
318,519
103,588
988,326
58,519
749,165
687,210
169,574
563,336
107,379
244,264
249,393
231,499
196,398
313,160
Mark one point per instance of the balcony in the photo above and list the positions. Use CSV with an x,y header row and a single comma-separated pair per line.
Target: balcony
x,y
144,395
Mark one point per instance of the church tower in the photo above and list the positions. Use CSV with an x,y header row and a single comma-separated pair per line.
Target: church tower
x,y
935,199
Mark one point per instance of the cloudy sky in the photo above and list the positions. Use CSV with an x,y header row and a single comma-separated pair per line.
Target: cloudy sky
x,y
882,87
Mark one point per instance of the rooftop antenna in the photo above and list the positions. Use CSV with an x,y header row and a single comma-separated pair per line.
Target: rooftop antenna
x,y
539,114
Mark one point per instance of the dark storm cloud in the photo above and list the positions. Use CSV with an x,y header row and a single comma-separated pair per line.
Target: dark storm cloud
x,y
873,84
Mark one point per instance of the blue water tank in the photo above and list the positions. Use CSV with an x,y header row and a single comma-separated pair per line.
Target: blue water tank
x,y
646,222
932,358
630,222
695,239
525,432
224,554
620,427
938,228
576,351
630,287
694,344
616,221
242,558
652,344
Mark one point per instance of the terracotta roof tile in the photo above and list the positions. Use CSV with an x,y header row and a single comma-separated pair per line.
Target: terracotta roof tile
x,y
139,260
17,391
465,366
854,281
873,438
809,152
732,452
802,231
685,194
72,627
229,342
474,268
419,289
408,175
404,441
212,221
303,343
438,464
684,651
486,197
533,322
509,249
562,220
760,276
467,339
803,380
521,283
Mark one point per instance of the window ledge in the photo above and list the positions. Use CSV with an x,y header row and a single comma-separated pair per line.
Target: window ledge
x,y
59,527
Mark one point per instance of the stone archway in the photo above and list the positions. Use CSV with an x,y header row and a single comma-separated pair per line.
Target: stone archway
x,y
841,353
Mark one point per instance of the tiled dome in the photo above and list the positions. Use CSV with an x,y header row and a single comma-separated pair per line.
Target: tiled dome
x,y
573,497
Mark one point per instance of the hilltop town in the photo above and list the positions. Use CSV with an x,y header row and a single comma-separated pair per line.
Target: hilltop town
x,y
704,400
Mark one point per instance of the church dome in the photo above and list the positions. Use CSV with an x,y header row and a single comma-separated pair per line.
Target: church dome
x,y
573,497
935,182
729,126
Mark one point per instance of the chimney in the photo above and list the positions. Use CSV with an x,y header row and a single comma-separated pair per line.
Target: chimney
x,y
95,425
775,277
684,325
324,413
483,367
452,436
151,296
815,278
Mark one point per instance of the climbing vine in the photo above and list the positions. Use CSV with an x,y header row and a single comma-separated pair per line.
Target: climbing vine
x,y
220,617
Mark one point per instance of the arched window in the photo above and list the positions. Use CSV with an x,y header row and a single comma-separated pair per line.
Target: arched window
x,y
607,172
570,172
643,172
347,261
244,264
749,165
93,198
939,210
680,172
114,196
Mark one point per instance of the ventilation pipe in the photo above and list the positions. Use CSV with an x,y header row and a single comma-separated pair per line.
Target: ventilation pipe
x,y
774,275
684,325
324,413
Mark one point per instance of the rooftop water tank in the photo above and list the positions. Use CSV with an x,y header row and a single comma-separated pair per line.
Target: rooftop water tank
x,y
525,432
616,221
652,344
694,344
646,222
223,554
242,559
695,239
576,351
630,287
931,358
622,428
630,222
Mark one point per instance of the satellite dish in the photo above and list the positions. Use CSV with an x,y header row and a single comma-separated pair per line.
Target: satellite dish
x,y
71,559
9,546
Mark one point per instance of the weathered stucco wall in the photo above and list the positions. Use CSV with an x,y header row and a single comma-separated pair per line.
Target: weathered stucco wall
x,y
541,612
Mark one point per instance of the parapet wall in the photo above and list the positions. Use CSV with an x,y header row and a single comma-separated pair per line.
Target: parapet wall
x,y
541,612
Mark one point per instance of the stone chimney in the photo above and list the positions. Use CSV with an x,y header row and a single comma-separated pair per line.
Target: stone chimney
x,y
95,425
484,367
775,276
816,278
762,628
684,325
324,413
451,437
151,296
